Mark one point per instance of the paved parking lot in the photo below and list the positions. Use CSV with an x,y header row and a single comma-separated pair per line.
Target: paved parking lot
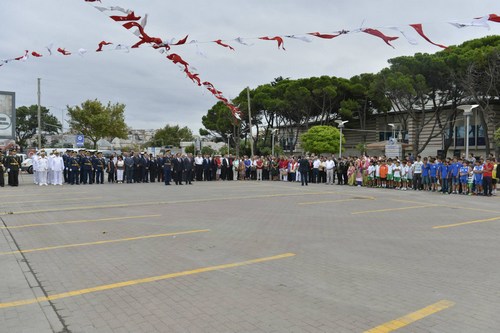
x,y
246,257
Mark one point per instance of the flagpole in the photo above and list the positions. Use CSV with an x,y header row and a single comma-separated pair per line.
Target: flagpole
x,y
39,113
250,121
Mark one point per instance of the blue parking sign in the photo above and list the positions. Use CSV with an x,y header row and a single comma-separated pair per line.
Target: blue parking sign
x,y
80,140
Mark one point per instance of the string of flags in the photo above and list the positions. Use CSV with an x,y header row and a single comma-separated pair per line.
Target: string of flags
x,y
137,24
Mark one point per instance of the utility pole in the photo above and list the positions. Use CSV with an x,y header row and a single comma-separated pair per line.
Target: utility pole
x,y
250,121
39,118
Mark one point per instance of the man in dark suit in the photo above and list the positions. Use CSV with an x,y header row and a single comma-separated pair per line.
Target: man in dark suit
x,y
2,170
304,168
206,168
178,167
188,167
224,167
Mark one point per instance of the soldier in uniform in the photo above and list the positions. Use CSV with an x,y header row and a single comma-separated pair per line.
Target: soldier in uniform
x,y
99,164
13,163
74,169
93,160
66,157
86,164
2,170
167,167
81,158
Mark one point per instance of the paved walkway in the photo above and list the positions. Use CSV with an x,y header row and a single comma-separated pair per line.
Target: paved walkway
x,y
246,257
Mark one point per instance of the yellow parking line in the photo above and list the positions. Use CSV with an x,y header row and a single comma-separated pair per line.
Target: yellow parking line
x,y
140,281
411,318
330,201
465,223
49,200
38,194
159,203
104,242
450,206
393,209
109,219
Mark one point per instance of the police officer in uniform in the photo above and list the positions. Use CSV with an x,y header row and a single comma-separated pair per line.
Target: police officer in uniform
x,y
86,164
93,160
167,167
66,157
99,164
74,169
13,163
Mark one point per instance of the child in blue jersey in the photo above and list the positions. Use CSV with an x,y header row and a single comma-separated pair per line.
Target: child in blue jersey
x,y
455,176
478,178
433,166
464,177
444,175
426,181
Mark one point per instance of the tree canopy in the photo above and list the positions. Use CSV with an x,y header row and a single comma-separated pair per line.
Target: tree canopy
x,y
171,136
96,121
27,123
419,89
321,139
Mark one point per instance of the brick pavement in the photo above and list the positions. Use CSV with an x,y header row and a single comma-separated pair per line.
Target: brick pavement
x,y
363,257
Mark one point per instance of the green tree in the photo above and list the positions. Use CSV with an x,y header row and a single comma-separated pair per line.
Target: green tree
x,y
96,121
207,150
27,123
218,121
497,137
189,149
171,136
321,139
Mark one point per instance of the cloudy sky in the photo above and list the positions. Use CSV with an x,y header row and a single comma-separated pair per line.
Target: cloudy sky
x,y
156,92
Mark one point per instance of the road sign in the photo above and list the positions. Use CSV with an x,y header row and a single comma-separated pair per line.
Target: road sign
x,y
80,139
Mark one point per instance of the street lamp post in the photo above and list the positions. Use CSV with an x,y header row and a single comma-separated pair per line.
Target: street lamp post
x,y
274,132
467,113
341,126
228,137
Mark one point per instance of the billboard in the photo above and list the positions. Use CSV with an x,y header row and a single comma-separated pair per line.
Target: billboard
x,y
7,115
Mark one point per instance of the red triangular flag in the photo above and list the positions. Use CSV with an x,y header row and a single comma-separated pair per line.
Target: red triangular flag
x,y
218,41
101,44
418,28
326,36
63,51
130,17
377,33
278,39
494,18
182,41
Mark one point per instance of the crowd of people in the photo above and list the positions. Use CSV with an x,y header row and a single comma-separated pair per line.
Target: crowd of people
x,y
472,175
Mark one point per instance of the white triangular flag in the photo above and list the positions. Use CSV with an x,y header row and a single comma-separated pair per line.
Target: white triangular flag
x,y
409,39
240,40
480,22
302,38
